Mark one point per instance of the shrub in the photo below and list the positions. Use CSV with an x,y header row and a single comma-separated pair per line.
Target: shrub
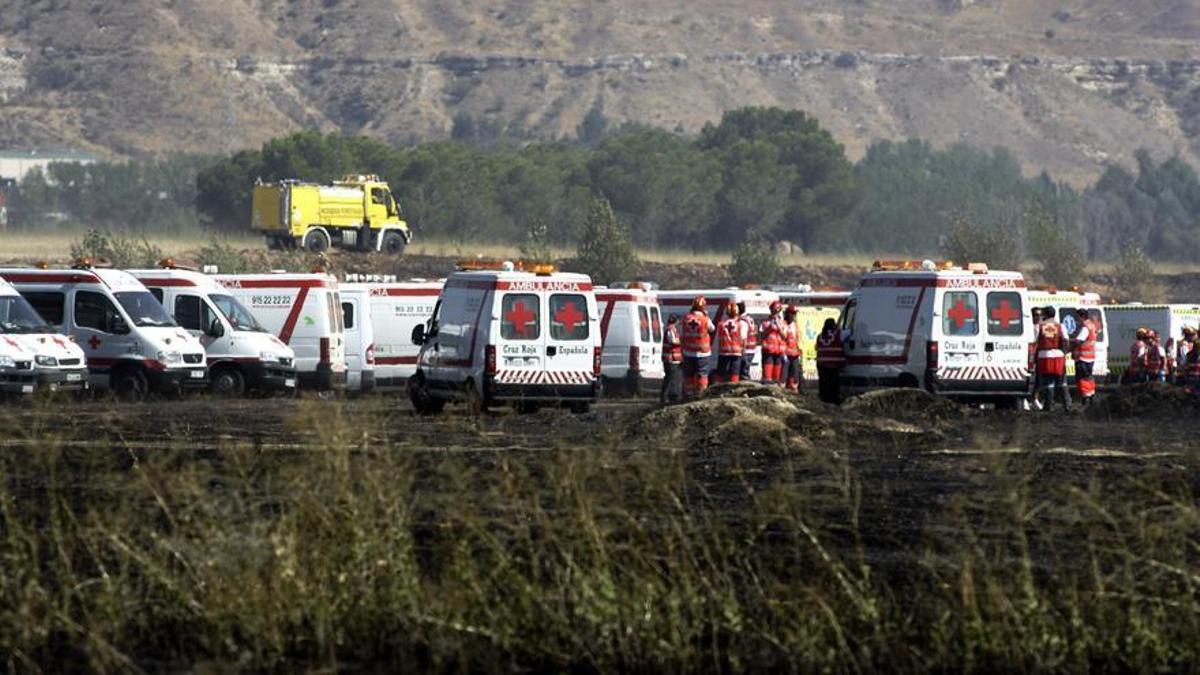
x,y
605,251
228,259
1133,278
754,262
537,242
121,250
1062,259
968,241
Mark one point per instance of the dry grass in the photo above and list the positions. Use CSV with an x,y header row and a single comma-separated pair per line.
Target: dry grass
x,y
56,245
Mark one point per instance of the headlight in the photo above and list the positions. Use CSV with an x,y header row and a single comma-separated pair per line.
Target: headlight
x,y
7,362
170,358
269,357
46,360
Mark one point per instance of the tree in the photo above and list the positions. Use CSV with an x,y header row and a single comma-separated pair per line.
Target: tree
x,y
605,251
1133,278
1054,246
754,262
968,241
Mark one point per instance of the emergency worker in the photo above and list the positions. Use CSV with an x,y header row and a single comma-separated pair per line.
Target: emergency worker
x,y
772,345
1135,373
1182,350
750,340
1156,359
1191,369
672,356
831,358
730,344
1085,356
793,354
697,349
1052,360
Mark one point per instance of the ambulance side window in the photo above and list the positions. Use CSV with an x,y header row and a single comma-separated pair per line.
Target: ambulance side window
x,y
95,311
846,320
644,322
569,318
1005,313
1097,318
348,315
656,324
520,317
192,313
157,293
49,305
960,313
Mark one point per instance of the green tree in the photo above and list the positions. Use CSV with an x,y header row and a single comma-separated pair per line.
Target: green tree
x,y
755,261
1055,246
1134,279
605,251
968,241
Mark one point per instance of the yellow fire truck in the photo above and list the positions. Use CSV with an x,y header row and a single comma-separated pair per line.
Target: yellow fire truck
x,y
357,212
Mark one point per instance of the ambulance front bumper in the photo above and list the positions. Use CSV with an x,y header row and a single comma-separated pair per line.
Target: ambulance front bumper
x,y
18,381
63,380
179,378
500,391
270,376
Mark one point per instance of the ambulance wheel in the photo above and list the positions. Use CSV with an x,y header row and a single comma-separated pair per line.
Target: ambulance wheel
x,y
130,384
228,382
316,240
475,404
423,402
393,243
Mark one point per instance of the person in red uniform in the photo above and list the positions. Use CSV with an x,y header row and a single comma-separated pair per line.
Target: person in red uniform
x,y
831,358
698,330
771,332
1085,356
1156,359
1052,360
793,355
729,346
750,340
1135,373
1191,369
672,356
1182,350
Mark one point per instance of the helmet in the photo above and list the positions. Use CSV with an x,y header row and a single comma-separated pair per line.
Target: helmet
x,y
1143,333
790,311
1188,330
731,309
699,303
776,306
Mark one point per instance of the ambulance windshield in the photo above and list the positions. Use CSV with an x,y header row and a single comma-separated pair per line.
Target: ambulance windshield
x,y
238,316
16,316
143,309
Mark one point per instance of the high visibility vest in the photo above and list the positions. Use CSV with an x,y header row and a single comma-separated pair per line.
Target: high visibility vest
x,y
792,340
729,338
772,335
1087,349
697,335
1137,357
830,353
672,345
751,343
1156,359
1050,341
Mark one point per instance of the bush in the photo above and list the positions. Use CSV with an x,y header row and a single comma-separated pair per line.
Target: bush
x,y
605,251
228,259
121,250
1133,278
755,262
968,241
1062,258
537,242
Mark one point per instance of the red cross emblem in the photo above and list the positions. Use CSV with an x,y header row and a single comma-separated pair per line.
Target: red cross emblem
x,y
960,313
568,316
94,342
1005,314
520,317
12,342
58,341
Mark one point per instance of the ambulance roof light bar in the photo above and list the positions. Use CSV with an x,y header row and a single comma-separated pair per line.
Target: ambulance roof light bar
x,y
88,262
169,263
912,265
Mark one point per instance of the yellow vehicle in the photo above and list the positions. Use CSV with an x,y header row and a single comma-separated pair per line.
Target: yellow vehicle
x,y
357,212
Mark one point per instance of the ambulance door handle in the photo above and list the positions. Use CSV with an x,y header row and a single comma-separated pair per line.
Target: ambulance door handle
x,y
551,351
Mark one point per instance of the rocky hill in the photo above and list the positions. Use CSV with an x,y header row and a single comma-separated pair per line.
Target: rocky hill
x,y
1066,84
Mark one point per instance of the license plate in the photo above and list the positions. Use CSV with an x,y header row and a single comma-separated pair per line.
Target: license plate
x,y
74,377
289,383
27,389
196,374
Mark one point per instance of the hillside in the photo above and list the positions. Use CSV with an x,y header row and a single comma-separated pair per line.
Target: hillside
x,y
1067,85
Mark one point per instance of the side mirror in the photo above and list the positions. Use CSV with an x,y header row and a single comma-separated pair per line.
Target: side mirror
x,y
215,329
418,334
117,326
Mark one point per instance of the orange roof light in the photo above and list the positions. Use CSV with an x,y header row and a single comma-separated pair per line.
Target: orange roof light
x,y
42,265
88,262
911,265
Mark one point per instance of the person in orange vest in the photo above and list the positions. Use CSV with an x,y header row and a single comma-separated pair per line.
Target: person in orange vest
x,y
794,364
772,345
698,330
730,344
1085,356
1182,350
750,340
672,356
831,358
1136,372
1052,360
1156,359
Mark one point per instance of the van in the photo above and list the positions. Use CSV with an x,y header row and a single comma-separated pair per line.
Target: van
x,y
529,336
1065,303
813,307
132,345
758,306
379,315
34,356
305,312
631,332
1124,320
956,331
242,356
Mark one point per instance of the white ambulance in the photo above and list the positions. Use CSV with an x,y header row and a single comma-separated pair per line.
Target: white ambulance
x,y
1124,320
379,314
1065,303
500,334
956,331
813,307
34,356
758,305
631,330
131,344
305,312
242,355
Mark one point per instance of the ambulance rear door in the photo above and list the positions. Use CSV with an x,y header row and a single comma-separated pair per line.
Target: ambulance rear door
x,y
961,347
1005,354
573,331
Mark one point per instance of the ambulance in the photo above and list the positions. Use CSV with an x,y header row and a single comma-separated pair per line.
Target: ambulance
x,y
242,356
379,314
34,356
509,332
132,345
959,331
1065,303
305,312
813,307
758,305
631,330
1124,320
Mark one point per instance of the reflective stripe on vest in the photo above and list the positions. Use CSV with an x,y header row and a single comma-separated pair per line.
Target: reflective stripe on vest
x,y
729,338
1049,341
697,342
1155,358
672,345
792,340
772,336
751,344
1087,349
829,350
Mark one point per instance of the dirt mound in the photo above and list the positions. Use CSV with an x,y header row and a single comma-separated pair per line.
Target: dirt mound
x,y
1145,400
909,405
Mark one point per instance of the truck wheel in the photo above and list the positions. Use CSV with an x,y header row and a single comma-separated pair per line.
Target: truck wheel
x,y
316,240
130,384
393,243
422,400
228,382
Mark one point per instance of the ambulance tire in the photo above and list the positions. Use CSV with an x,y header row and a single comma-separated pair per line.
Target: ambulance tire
x,y
316,240
228,382
393,243
130,384
423,402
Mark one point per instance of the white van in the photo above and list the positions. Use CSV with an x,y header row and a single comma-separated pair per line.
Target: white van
x,y
34,356
305,312
631,331
813,307
131,344
956,331
1065,303
379,316
242,355
501,335
1124,320
758,305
